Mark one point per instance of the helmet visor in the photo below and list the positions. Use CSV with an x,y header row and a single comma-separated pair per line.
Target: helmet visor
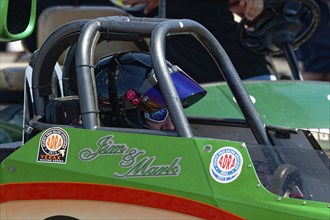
x,y
188,90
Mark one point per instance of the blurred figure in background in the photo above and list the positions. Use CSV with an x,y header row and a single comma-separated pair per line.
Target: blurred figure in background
x,y
218,18
314,54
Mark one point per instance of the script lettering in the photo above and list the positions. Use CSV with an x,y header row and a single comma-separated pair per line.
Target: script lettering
x,y
146,168
105,146
133,161
130,158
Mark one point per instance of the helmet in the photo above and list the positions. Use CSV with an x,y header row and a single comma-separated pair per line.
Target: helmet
x,y
127,88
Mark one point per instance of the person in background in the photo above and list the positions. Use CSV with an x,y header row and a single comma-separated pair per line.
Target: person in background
x,y
314,54
217,17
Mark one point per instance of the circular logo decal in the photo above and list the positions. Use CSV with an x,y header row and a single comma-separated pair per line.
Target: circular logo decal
x,y
53,145
226,165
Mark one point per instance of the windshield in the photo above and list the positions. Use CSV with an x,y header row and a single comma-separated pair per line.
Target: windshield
x,y
294,168
323,138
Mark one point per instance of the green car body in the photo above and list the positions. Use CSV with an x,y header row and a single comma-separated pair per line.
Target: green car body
x,y
169,174
148,175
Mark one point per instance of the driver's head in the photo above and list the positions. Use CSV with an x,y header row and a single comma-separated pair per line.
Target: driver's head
x,y
129,94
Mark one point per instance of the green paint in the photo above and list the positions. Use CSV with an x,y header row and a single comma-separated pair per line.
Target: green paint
x,y
170,165
5,27
288,104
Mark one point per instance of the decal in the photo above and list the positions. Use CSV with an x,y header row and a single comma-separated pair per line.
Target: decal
x,y
134,160
105,147
53,146
145,168
226,165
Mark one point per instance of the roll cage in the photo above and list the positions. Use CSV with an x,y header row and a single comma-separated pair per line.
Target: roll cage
x,y
131,29
267,145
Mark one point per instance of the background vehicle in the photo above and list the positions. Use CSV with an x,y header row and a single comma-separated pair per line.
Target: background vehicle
x,y
90,171
11,124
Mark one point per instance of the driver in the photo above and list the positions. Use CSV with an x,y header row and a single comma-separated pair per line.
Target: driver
x,y
129,94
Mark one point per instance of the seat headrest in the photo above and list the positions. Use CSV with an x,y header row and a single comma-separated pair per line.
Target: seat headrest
x,y
64,111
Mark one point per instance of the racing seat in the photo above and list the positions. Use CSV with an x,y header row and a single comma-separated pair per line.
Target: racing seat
x,y
63,111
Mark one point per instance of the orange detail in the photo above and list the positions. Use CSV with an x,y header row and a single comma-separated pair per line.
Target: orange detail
x,y
110,193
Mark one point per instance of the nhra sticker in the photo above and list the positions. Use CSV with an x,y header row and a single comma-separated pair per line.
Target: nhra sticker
x,y
226,165
53,146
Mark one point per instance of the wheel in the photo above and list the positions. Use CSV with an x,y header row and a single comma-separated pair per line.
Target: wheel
x,y
61,217
281,22
286,181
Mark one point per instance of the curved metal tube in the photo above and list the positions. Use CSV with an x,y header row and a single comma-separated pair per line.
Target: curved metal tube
x,y
224,64
85,57
84,67
45,61
164,77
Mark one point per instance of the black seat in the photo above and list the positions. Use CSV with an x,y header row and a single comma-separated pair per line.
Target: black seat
x,y
63,111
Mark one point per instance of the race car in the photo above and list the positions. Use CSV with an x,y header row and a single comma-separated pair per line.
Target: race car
x,y
213,166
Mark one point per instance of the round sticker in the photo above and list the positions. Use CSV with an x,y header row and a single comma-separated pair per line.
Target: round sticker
x,y
53,146
226,165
